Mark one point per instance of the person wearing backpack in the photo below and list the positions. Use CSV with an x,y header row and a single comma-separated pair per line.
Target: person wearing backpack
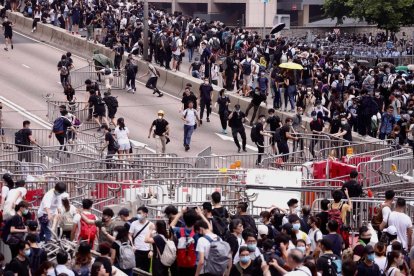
x,y
165,251
63,67
154,74
177,49
190,43
68,212
339,210
82,231
122,253
60,128
131,71
247,67
257,134
112,106
37,254
214,254
328,264
219,226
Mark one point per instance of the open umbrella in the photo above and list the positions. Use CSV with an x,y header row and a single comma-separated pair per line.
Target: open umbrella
x,y
291,65
362,61
411,67
401,68
277,28
385,63
101,61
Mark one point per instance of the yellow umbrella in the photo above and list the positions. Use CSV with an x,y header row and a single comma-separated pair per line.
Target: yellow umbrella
x,y
291,65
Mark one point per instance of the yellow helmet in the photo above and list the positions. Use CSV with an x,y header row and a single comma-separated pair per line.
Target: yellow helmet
x,y
160,112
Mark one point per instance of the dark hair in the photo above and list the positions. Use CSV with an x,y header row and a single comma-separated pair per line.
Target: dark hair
x,y
8,179
362,230
62,257
60,187
20,183
234,223
349,268
261,116
282,238
207,206
44,267
95,268
390,194
292,202
248,233
337,195
143,209
326,243
325,204
22,204
171,210
216,197
83,255
108,212
271,110
31,238
22,245
25,123
161,228
333,225
200,224
122,233
267,245
316,220
104,248
243,206
66,204
190,217
87,203
64,112
243,248
306,210
390,258
400,202
353,174
311,266
265,214
292,218
121,123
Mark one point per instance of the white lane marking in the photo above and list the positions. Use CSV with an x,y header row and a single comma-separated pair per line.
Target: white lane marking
x,y
228,138
27,66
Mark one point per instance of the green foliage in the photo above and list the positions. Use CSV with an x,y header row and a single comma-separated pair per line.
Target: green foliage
x,y
389,15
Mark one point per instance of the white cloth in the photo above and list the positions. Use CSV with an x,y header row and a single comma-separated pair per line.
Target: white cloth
x,y
381,262
190,116
179,43
203,246
61,269
51,201
300,271
122,135
139,243
315,236
386,211
13,198
303,236
4,190
402,222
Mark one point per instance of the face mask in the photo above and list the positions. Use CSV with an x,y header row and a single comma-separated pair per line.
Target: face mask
x,y
316,87
296,226
301,248
244,259
160,117
371,257
25,212
252,247
377,94
27,252
366,241
314,118
205,82
343,123
261,220
140,217
410,112
5,19
115,233
56,193
309,93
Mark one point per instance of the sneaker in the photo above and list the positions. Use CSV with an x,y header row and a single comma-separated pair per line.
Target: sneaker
x,y
208,120
153,92
187,147
12,46
238,150
160,95
5,49
135,90
201,122
244,149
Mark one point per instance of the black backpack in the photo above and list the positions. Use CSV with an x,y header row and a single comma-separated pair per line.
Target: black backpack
x,y
254,134
220,226
190,41
247,67
99,100
112,102
35,260
20,138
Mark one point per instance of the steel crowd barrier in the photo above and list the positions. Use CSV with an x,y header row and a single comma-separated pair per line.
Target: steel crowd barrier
x,y
341,151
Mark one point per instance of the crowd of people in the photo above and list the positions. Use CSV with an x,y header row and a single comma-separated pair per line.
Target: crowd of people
x,y
208,239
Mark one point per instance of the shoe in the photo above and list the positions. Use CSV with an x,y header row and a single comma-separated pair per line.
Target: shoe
x,y
160,95
12,46
153,92
238,150
5,49
187,147
224,131
201,122
208,120
135,90
244,149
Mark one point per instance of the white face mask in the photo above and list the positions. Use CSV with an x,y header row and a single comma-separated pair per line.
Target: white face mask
x,y
160,117
343,122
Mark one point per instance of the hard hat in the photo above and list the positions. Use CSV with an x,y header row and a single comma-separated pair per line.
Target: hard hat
x,y
161,112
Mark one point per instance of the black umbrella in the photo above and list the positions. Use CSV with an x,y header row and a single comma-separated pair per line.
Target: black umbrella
x,y
277,28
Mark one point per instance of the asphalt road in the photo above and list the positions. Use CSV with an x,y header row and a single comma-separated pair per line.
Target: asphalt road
x,y
29,71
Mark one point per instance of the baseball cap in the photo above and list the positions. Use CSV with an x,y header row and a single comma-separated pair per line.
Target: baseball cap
x,y
392,230
263,229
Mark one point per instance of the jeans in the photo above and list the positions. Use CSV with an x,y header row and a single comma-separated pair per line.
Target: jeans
x,y
188,131
61,139
277,100
130,81
45,234
190,52
291,91
196,74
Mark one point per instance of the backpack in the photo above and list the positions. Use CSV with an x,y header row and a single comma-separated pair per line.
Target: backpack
x,y
64,70
126,255
99,100
247,67
238,44
216,44
377,218
59,125
335,214
20,138
190,41
88,231
334,265
228,39
186,254
67,221
218,256
169,255
174,45
254,135
82,271
112,102
220,226
35,260
5,231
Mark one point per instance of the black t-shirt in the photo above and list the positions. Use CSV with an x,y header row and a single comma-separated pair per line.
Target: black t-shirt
x,y
7,27
364,270
283,131
354,189
205,92
259,128
324,263
96,101
26,132
254,269
237,119
196,65
336,243
317,125
222,103
220,212
324,218
257,99
19,267
274,122
160,126
111,140
189,98
348,135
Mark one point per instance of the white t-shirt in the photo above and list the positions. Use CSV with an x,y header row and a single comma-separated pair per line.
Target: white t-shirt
x,y
179,44
214,72
315,236
139,243
122,135
51,201
252,63
190,116
203,245
14,197
300,235
60,269
4,191
77,220
381,262
300,271
386,211
402,222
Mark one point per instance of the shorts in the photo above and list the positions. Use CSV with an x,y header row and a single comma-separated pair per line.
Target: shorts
x,y
111,113
177,57
125,146
247,79
99,112
75,20
8,35
97,31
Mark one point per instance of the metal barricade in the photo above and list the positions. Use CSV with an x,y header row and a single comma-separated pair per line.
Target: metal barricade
x,y
340,151
79,75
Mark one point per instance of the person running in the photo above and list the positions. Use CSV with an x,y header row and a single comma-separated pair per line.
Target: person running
x,y
190,118
160,130
60,128
236,120
8,33
98,104
206,91
131,71
223,102
153,79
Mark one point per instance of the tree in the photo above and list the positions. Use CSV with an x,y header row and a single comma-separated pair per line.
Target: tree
x,y
389,15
